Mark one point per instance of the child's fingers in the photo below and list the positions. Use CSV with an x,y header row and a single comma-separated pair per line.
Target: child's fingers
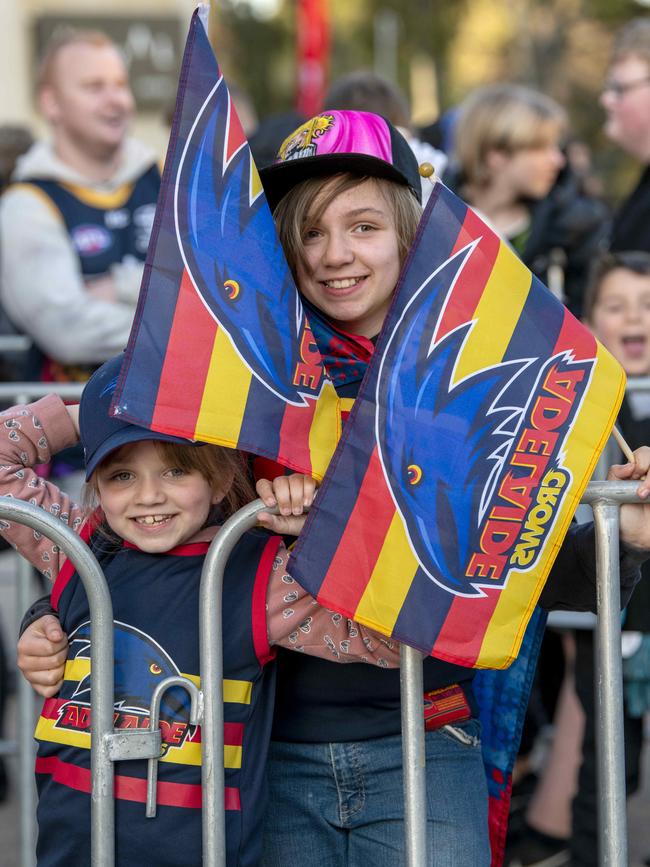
x,y
51,628
282,493
298,486
36,644
289,525
264,489
310,491
41,662
47,683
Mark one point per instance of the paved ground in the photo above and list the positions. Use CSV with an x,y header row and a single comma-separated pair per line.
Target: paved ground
x,y
638,812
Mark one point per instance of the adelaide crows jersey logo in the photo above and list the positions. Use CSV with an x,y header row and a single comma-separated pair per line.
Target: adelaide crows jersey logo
x,y
140,665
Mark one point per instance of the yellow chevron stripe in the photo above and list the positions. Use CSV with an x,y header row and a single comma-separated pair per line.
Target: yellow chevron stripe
x,y
325,430
601,404
346,403
488,340
115,199
234,691
255,182
389,583
225,394
188,754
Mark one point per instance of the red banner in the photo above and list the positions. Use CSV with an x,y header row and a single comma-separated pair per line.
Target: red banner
x,y
313,35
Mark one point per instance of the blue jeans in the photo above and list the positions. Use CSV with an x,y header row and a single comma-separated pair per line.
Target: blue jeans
x,y
341,804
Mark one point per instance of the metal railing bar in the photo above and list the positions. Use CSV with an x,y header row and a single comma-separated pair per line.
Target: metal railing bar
x,y
101,699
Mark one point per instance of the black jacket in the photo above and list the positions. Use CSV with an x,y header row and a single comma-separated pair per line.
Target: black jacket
x,y
631,227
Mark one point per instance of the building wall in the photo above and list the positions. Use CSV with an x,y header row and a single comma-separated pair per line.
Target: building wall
x,y
18,62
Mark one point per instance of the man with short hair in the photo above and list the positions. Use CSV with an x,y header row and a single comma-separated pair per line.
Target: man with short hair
x,y
626,100
75,224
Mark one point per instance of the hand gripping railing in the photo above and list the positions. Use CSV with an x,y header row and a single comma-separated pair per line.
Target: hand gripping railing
x,y
101,699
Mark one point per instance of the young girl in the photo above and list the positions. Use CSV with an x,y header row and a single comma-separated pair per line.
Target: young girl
x,y
157,501
346,193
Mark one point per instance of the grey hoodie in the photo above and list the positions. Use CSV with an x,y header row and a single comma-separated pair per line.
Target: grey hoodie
x,y
41,285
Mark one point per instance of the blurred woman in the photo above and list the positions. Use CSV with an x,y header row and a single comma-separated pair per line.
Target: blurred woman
x,y
510,167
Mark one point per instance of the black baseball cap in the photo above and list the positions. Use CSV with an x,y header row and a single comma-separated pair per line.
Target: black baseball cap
x,y
102,433
341,141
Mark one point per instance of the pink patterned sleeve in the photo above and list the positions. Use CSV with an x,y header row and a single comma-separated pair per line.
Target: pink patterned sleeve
x,y
30,435
295,620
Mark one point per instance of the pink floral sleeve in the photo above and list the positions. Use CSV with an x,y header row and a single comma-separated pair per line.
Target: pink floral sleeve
x,y
295,620
30,435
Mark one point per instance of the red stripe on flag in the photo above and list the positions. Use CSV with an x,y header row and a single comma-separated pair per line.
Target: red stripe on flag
x,y
294,436
235,136
471,282
131,788
575,336
373,511
463,631
193,330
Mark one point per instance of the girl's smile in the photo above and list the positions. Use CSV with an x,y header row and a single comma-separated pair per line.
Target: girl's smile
x,y
350,261
149,503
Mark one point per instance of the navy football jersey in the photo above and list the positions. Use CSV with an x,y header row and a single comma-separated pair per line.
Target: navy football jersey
x,y
155,608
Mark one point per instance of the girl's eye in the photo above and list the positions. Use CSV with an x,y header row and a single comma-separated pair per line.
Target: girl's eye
x,y
122,476
175,472
364,227
310,234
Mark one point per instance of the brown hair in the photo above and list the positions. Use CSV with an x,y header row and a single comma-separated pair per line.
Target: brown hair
x,y
503,117
293,210
62,40
215,463
637,261
632,39
366,91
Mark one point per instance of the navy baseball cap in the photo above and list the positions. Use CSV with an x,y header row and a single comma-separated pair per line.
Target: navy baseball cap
x,y
102,433
342,141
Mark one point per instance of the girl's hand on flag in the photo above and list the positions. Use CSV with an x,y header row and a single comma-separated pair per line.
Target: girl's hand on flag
x,y
293,495
635,520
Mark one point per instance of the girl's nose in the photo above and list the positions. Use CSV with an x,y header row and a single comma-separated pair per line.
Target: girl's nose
x,y
150,491
337,250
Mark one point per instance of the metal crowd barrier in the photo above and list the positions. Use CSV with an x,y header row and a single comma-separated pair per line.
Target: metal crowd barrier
x,y
605,499
14,393
109,745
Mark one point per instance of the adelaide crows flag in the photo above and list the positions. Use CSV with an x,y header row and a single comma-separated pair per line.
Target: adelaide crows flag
x,y
221,349
476,429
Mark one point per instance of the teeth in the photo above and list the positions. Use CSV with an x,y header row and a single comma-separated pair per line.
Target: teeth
x,y
152,519
342,284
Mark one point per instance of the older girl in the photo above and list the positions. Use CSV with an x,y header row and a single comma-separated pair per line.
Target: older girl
x,y
345,193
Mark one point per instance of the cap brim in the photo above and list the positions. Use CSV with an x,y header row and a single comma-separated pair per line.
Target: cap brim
x,y
126,435
278,179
